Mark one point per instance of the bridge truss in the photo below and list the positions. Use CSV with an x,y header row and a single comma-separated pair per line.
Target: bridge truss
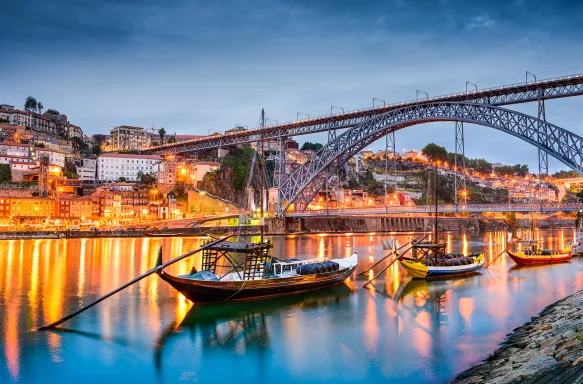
x,y
303,184
511,94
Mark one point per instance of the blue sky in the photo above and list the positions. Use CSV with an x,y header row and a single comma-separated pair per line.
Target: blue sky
x,y
194,66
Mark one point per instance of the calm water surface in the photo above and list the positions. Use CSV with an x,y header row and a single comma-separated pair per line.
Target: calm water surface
x,y
398,330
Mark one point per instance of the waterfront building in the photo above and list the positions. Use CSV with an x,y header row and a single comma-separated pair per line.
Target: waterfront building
x,y
128,138
121,200
112,166
80,208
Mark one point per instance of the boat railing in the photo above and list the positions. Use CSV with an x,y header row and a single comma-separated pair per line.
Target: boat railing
x,y
288,268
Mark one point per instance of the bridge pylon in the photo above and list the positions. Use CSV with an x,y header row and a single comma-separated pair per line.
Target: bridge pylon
x,y
459,163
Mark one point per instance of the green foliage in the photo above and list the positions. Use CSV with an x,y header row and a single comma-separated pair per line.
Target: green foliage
x,y
565,174
96,150
239,161
40,107
513,170
511,221
171,139
70,175
79,144
435,152
162,133
122,179
180,192
39,145
5,173
312,146
30,104
51,111
4,121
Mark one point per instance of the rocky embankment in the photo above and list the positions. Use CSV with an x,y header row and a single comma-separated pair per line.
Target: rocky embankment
x,y
549,349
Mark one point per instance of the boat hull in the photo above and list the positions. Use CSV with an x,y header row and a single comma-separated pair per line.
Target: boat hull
x,y
199,291
523,259
418,270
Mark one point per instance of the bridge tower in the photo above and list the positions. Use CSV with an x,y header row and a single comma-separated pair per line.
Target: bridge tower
x,y
390,167
459,162
543,158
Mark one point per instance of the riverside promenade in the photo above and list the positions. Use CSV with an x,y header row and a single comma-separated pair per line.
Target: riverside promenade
x,y
548,349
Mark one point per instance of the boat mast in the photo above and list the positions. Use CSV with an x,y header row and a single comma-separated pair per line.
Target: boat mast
x,y
262,175
435,195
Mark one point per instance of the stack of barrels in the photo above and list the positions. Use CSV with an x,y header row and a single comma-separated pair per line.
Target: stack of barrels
x,y
315,268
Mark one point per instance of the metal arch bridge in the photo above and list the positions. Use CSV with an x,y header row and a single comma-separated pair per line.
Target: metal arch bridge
x,y
303,184
445,208
561,87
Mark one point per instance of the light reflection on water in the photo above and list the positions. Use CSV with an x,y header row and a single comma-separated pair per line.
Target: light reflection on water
x,y
398,329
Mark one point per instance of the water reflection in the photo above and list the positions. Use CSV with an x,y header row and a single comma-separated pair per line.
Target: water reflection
x,y
397,329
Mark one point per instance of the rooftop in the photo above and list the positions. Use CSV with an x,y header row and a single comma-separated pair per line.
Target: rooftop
x,y
130,156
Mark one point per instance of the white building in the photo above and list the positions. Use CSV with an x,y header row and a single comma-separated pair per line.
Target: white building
x,y
15,116
23,150
201,168
112,166
57,158
87,170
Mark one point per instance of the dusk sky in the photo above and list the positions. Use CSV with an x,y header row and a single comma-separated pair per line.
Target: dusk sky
x,y
194,66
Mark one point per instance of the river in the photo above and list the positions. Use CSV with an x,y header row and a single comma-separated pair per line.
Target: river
x,y
397,329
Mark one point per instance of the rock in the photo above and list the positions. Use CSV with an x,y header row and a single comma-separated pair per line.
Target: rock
x,y
535,367
568,345
578,360
548,342
472,380
570,333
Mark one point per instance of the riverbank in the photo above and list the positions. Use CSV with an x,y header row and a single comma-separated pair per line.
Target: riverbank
x,y
309,225
548,349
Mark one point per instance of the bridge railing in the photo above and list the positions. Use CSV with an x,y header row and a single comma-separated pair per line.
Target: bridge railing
x,y
445,208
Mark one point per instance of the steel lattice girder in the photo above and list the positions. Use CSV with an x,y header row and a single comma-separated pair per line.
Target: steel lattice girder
x,y
306,181
444,208
514,94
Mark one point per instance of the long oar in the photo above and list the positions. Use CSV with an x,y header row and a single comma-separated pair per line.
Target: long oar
x,y
396,252
510,244
159,266
396,258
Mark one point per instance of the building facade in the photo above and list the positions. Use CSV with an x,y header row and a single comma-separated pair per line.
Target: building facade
x,y
87,169
113,166
128,138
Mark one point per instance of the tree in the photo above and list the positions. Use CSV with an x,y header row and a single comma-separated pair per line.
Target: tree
x,y
30,104
79,144
155,143
140,175
39,145
5,173
148,179
162,133
511,221
51,111
122,179
180,192
435,152
311,146
96,150
40,107
171,139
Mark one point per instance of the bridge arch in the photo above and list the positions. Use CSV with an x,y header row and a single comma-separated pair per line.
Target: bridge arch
x,y
304,183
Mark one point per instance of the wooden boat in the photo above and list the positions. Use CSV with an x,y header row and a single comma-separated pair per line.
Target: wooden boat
x,y
430,261
257,275
534,254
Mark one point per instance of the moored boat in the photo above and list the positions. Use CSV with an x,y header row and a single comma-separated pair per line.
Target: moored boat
x,y
430,261
534,254
252,274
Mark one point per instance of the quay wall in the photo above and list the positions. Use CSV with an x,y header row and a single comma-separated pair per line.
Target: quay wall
x,y
333,224
360,224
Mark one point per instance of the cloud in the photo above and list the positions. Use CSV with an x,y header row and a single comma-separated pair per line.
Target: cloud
x,y
481,21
